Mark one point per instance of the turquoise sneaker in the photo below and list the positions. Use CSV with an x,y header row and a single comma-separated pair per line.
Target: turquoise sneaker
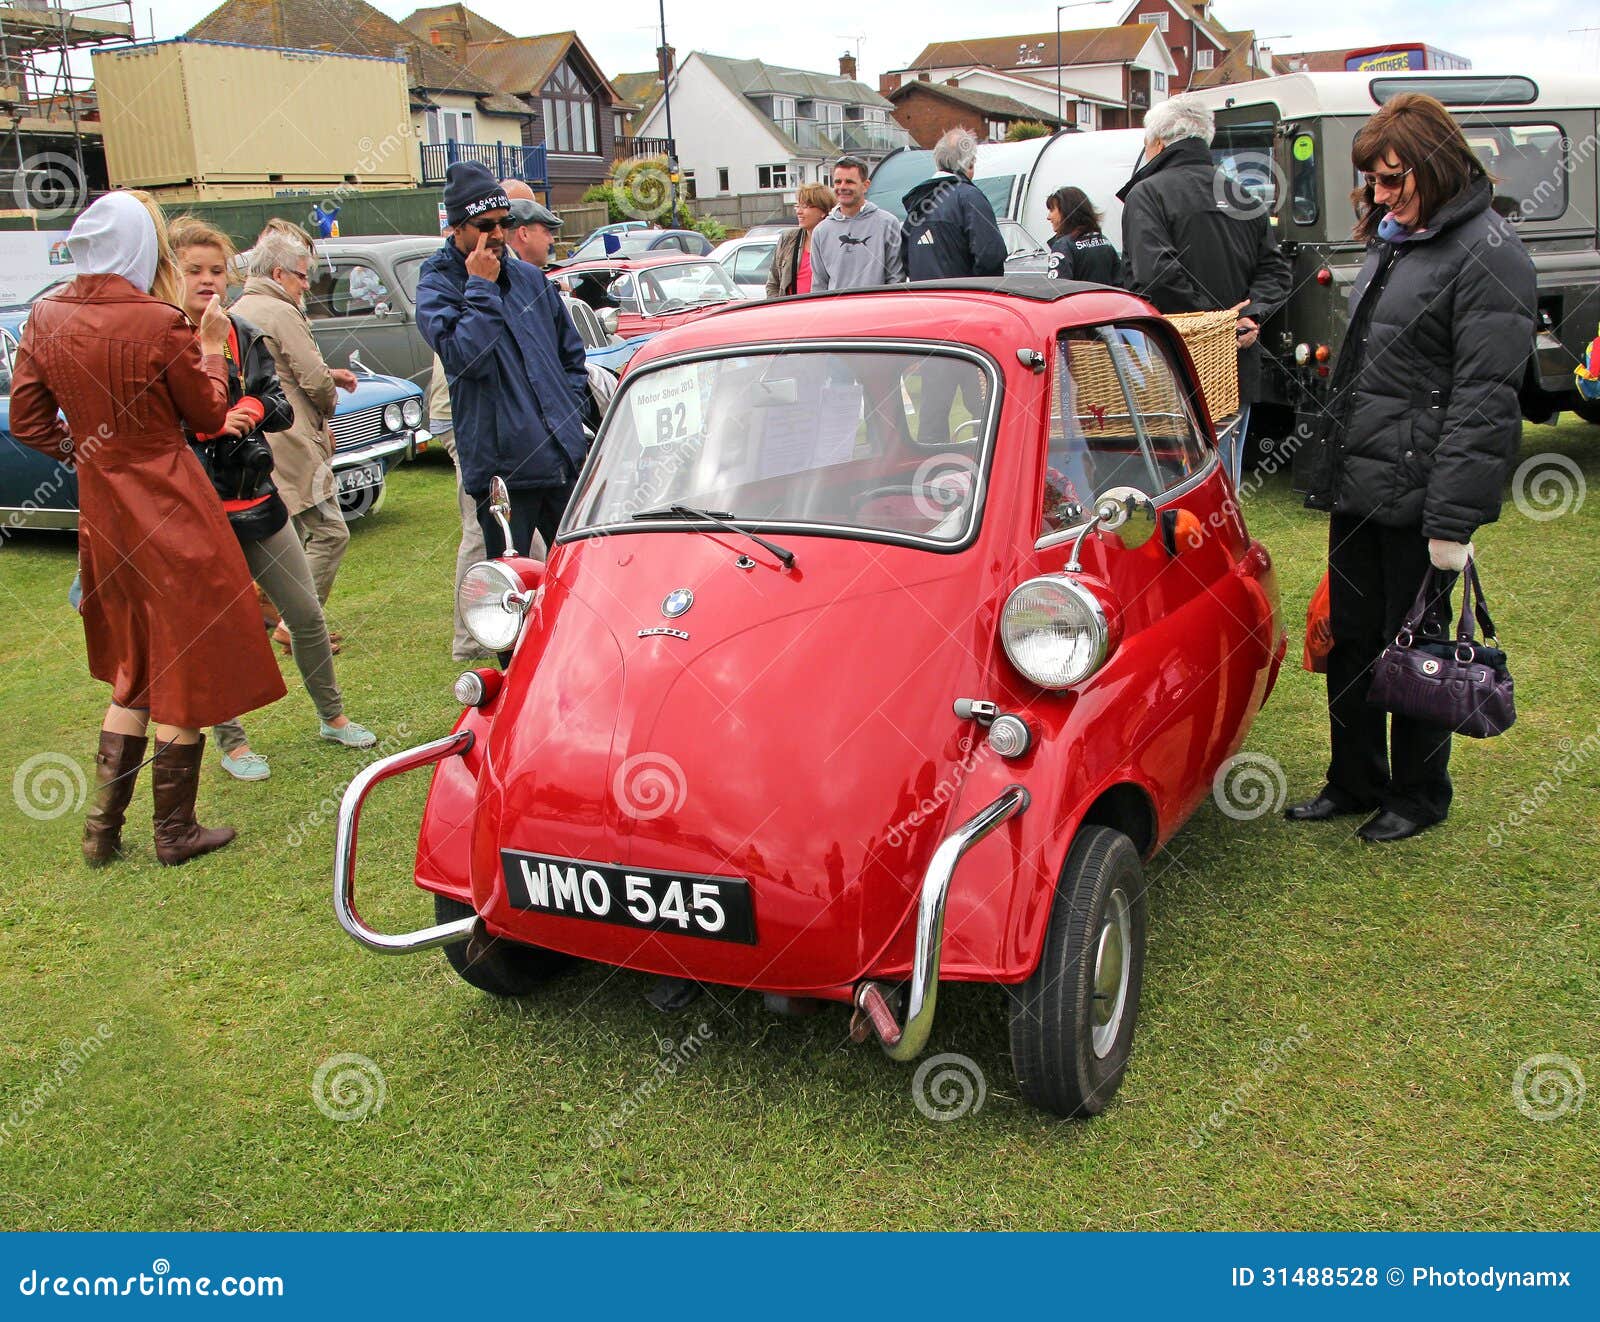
x,y
351,735
247,766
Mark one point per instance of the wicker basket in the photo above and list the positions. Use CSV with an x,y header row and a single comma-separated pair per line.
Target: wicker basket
x,y
1212,340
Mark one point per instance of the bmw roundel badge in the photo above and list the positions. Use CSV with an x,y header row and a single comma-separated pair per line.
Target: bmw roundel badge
x,y
676,602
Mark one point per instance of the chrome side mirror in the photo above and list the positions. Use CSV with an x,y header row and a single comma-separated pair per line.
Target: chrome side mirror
x,y
608,320
356,365
500,508
1123,510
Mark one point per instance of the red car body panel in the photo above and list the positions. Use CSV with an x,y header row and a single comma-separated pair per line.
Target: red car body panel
x,y
631,324
802,737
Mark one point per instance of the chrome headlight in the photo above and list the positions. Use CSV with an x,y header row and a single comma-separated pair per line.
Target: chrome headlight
x,y
411,412
392,417
493,604
1055,631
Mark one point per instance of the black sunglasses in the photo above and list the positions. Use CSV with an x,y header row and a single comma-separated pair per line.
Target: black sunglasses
x,y
490,226
1388,178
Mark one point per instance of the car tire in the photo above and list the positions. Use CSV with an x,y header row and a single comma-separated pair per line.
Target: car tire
x,y
1072,1022
505,968
1587,409
358,504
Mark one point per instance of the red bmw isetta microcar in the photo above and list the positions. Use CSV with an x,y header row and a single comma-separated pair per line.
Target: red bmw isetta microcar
x,y
886,635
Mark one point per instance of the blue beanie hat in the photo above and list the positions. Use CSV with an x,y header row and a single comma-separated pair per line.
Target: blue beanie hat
x,y
470,190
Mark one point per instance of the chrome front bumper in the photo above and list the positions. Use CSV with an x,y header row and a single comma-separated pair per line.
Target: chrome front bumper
x,y
906,1042
344,850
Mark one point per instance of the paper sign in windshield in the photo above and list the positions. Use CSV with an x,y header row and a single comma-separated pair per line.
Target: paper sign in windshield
x,y
666,406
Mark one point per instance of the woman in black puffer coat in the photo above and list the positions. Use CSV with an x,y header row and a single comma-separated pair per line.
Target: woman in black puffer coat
x,y
1419,438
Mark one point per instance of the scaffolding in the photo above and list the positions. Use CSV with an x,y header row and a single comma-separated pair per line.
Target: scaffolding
x,y
51,153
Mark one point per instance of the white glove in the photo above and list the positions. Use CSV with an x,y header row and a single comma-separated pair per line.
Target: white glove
x,y
1449,555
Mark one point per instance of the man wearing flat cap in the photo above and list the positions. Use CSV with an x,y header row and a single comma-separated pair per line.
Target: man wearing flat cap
x,y
512,359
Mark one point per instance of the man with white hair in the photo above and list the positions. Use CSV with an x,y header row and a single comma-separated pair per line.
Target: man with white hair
x,y
1192,242
950,229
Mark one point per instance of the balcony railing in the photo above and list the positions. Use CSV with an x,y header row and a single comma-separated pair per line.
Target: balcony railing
x,y
631,148
869,136
526,163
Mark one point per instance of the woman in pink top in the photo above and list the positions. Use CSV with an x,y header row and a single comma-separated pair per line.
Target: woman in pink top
x,y
791,263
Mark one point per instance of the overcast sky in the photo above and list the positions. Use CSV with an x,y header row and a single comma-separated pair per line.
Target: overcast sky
x,y
1522,36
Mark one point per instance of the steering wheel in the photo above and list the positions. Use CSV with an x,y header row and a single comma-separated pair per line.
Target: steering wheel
x,y
932,498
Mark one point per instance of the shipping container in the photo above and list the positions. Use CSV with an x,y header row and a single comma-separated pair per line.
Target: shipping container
x,y
207,119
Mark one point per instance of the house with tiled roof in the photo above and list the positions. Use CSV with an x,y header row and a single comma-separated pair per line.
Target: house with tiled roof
x,y
1122,71
929,110
745,126
451,105
572,109
1205,53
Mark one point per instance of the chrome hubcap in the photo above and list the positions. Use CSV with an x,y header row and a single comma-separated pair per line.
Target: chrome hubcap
x,y
1111,974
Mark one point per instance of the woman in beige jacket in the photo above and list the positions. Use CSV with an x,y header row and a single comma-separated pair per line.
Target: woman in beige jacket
x,y
274,300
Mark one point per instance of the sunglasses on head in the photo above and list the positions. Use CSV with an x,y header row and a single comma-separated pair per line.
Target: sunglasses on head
x,y
1388,178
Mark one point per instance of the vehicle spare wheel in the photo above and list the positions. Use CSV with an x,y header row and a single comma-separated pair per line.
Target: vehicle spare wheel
x,y
501,967
1072,1022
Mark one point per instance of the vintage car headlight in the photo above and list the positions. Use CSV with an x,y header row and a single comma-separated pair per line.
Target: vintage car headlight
x,y
1055,631
493,604
392,417
411,412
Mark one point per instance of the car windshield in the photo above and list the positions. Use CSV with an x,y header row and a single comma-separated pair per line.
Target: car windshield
x,y
887,443
681,285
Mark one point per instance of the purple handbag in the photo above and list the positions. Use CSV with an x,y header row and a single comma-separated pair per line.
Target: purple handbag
x,y
1462,684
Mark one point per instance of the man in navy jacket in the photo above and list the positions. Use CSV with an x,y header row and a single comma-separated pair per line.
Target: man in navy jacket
x,y
512,358
950,229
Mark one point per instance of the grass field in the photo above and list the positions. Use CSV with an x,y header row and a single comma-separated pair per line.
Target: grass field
x,y
1329,1038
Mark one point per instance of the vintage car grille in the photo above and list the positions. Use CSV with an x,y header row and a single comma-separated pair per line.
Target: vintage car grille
x,y
357,428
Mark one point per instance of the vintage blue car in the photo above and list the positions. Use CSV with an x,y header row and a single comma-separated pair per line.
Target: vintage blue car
x,y
377,425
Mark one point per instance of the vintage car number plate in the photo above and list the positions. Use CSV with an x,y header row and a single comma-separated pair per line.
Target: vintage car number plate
x,y
359,478
656,901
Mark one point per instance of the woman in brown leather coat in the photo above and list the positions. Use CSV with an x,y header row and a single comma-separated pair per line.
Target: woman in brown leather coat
x,y
169,613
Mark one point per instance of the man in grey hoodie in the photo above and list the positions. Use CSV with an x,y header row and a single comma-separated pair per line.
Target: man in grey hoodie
x,y
859,243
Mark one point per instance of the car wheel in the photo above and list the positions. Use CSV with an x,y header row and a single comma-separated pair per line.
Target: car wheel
x,y
1587,409
359,503
1072,1021
503,968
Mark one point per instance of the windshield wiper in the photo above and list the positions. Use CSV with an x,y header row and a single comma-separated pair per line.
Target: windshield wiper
x,y
723,519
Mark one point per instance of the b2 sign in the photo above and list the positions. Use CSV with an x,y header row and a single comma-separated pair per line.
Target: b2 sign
x,y
666,406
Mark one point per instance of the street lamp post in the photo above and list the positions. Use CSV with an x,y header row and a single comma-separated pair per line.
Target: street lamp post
x,y
1077,4
672,143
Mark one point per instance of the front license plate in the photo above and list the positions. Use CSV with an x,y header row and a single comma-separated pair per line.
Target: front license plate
x,y
655,901
360,478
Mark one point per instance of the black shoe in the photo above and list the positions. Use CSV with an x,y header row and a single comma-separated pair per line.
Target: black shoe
x,y
1320,809
1386,826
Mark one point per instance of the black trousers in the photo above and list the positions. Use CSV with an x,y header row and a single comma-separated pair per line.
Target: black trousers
x,y
1379,760
537,510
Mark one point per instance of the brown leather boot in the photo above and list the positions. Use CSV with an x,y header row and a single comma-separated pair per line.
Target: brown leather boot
x,y
175,777
116,768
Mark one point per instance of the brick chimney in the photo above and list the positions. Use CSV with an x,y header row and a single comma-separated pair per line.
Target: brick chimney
x,y
451,32
666,61
847,65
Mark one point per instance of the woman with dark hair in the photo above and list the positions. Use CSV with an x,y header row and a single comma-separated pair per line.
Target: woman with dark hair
x,y
1417,441
1079,251
169,614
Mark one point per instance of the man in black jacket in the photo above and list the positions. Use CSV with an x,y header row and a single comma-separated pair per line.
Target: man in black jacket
x,y
1193,241
950,229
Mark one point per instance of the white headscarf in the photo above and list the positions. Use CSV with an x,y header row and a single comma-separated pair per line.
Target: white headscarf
x,y
115,236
